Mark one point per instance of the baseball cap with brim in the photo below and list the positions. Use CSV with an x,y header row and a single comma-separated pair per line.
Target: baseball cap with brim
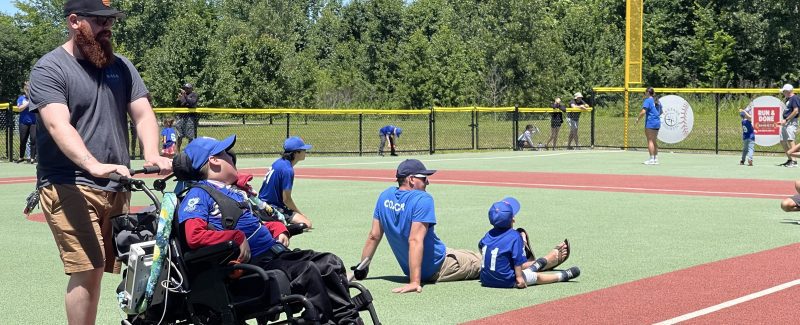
x,y
295,144
91,8
398,131
502,212
787,88
413,167
200,149
578,95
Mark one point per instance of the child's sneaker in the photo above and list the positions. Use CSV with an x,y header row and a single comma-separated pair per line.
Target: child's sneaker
x,y
570,273
749,162
741,162
648,162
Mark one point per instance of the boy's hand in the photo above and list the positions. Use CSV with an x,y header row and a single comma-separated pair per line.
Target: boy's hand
x,y
244,252
521,284
283,239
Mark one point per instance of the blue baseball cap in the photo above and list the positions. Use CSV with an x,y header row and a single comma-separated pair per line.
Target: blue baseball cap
x,y
411,167
295,144
502,212
398,131
200,149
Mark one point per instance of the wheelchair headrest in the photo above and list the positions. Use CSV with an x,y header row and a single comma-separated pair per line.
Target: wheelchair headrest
x,y
182,168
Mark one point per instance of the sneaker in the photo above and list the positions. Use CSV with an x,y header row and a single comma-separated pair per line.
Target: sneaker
x,y
749,162
655,162
792,164
786,164
649,162
741,162
571,273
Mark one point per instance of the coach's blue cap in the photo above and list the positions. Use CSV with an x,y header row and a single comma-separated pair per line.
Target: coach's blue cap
x,y
295,144
200,149
398,131
502,212
411,167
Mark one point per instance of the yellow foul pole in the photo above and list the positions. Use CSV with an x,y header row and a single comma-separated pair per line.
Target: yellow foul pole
x,y
633,53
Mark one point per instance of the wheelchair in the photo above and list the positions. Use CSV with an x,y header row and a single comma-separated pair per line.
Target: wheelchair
x,y
199,286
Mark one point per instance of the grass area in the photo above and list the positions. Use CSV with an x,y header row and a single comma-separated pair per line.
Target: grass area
x,y
616,237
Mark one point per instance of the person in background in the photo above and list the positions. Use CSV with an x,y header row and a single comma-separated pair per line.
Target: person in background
x,y
186,128
573,117
748,137
651,108
556,119
276,190
389,134
168,139
27,127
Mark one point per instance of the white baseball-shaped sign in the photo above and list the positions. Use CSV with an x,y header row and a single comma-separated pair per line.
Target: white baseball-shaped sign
x,y
677,119
766,112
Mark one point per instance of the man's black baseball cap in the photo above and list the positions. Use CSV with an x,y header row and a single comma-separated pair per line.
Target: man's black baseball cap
x,y
91,8
410,167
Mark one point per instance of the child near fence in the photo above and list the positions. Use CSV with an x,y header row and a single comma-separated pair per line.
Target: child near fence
x,y
168,138
748,137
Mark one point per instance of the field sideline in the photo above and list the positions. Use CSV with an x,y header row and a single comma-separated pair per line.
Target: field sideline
x,y
618,236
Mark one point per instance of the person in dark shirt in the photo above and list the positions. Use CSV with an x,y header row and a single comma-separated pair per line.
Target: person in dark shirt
x,y
556,119
186,127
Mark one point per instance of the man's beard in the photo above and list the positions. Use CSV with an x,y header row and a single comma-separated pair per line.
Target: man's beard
x,y
98,51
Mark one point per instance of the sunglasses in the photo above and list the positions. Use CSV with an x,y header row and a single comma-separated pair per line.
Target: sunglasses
x,y
103,21
424,179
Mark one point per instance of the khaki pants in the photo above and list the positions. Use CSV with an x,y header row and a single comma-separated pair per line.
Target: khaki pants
x,y
80,219
459,264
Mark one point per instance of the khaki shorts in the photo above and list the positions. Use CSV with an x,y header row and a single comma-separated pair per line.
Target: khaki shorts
x,y
80,219
459,264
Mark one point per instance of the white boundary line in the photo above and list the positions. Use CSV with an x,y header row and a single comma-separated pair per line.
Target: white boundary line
x,y
544,185
729,303
394,162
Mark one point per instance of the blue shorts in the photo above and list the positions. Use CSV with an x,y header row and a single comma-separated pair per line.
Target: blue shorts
x,y
653,126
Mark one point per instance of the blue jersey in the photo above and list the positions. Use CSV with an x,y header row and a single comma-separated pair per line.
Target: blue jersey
x,y
199,204
26,117
169,136
502,250
653,114
747,130
278,179
396,210
387,130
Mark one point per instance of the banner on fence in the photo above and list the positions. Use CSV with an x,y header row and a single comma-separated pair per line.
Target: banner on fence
x,y
766,111
677,119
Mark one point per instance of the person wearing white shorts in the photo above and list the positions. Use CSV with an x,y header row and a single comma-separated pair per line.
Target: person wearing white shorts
x,y
789,124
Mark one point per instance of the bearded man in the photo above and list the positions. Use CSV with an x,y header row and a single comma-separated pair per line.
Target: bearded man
x,y
83,94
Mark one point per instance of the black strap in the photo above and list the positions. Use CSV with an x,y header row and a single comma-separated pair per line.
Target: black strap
x,y
230,209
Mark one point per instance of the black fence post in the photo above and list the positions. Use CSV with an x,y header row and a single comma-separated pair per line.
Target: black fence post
x,y
592,102
288,117
360,133
474,126
716,131
10,132
515,127
432,131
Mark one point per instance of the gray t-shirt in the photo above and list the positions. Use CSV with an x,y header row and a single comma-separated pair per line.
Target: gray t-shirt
x,y
98,101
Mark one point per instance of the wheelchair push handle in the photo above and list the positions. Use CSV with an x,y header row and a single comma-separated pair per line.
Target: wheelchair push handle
x,y
144,170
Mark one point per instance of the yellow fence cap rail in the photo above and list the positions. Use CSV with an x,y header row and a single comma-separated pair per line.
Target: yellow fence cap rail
x,y
306,111
691,90
4,106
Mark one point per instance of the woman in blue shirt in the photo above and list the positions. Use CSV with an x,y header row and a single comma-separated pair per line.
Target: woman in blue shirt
x,y
652,109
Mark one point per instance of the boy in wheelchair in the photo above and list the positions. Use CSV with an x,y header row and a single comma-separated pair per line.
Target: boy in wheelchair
x,y
320,277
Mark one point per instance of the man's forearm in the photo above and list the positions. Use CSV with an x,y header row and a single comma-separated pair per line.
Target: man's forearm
x,y
415,261
55,121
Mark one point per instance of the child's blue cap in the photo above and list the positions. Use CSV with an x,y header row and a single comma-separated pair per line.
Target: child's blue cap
x,y
200,149
502,212
742,114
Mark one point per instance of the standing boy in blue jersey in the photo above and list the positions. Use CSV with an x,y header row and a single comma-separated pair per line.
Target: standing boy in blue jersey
x,y
748,138
168,138
276,190
505,264
406,215
389,133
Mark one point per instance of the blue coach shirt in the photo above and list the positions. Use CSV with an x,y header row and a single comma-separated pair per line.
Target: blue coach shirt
x,y
653,114
278,179
502,250
26,117
396,210
199,204
793,103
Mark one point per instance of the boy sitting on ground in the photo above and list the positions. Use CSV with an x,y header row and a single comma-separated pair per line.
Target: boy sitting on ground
x,y
320,277
508,261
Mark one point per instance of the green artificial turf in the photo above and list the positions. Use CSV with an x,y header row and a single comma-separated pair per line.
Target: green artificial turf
x,y
616,237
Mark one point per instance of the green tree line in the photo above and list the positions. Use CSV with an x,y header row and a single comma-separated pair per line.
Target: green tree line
x,y
413,54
